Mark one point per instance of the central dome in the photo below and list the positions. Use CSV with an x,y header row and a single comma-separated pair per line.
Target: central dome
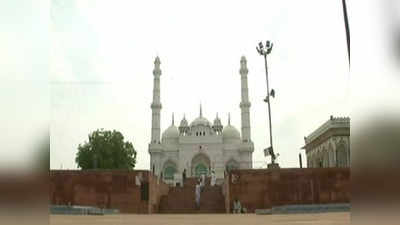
x,y
200,121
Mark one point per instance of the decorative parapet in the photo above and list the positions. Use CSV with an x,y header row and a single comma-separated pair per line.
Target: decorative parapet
x,y
333,122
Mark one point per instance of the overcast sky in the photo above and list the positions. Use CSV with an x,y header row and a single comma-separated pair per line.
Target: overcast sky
x,y
103,56
100,55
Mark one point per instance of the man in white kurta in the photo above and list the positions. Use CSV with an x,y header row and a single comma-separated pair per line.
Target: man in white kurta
x,y
203,181
213,178
197,192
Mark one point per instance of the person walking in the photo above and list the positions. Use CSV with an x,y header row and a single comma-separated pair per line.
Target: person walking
x,y
198,192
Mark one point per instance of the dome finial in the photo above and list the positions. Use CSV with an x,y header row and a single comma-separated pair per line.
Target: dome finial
x,y
173,120
201,111
229,118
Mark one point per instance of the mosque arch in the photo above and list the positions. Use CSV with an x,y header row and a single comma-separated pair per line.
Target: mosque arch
x,y
232,164
200,164
341,155
325,155
169,169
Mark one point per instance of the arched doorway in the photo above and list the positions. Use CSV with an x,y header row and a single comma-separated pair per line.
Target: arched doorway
x,y
200,169
200,165
231,165
169,170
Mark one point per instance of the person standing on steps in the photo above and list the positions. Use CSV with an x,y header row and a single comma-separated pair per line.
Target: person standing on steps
x,y
197,192
184,176
203,181
213,178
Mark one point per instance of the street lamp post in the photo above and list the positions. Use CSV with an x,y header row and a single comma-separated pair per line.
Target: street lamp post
x,y
264,51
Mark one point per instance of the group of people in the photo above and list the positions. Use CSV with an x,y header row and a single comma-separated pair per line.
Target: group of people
x,y
200,186
237,207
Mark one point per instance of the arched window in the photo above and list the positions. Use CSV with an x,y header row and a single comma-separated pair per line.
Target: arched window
x,y
197,133
204,133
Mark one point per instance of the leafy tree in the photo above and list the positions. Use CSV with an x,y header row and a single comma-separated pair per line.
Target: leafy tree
x,y
106,150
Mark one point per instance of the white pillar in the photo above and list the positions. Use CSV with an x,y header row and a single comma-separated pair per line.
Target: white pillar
x,y
154,146
245,103
156,104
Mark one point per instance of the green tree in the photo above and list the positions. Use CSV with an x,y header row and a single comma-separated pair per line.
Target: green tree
x,y
106,150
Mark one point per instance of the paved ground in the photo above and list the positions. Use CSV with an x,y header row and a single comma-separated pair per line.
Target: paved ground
x,y
202,219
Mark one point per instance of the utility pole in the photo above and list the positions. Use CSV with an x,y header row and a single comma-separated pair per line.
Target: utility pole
x,y
264,52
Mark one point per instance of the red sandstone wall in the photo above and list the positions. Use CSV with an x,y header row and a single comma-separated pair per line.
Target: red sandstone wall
x,y
226,193
157,189
260,189
104,189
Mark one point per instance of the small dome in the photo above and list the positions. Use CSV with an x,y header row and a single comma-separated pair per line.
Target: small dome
x,y
184,122
230,132
171,132
217,121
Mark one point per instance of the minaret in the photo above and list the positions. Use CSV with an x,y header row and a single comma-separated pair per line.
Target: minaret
x,y
156,105
245,103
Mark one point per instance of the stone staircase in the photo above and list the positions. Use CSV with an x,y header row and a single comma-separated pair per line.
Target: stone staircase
x,y
182,199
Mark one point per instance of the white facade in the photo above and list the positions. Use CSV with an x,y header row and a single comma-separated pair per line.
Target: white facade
x,y
200,146
329,145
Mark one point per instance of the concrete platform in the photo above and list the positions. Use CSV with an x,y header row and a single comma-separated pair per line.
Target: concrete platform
x,y
314,208
80,210
201,219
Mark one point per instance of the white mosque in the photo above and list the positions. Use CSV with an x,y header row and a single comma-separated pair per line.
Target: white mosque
x,y
201,146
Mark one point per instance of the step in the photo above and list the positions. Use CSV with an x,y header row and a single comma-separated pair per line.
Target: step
x,y
182,199
192,211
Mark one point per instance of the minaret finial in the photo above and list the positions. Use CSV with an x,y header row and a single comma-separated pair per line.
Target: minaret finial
x,y
229,118
157,60
243,66
201,111
173,120
217,114
157,70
